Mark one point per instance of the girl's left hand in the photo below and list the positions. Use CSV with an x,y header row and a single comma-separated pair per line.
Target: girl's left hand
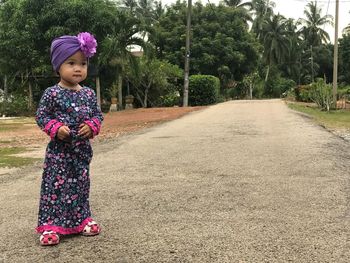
x,y
85,131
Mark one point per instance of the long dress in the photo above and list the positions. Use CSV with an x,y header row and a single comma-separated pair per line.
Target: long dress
x,y
64,196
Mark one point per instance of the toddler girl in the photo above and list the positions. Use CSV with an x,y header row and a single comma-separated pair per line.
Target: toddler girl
x,y
69,114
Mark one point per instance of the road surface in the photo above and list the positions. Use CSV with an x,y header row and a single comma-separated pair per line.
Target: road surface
x,y
241,181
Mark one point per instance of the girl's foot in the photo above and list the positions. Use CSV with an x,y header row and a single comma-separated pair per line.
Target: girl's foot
x,y
91,229
49,238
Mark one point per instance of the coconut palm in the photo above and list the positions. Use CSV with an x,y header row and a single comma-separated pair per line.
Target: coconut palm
x,y
276,42
242,8
238,4
262,10
116,48
313,31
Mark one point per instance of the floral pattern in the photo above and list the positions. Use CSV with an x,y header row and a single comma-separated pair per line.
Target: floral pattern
x,y
64,198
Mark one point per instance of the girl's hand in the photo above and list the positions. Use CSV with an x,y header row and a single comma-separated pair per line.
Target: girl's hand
x,y
85,131
63,133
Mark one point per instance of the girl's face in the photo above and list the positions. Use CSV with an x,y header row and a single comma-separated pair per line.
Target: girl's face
x,y
73,70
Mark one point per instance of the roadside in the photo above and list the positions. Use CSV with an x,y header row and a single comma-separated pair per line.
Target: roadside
x,y
23,143
337,122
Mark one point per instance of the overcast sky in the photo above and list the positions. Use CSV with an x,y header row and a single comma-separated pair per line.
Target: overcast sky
x,y
295,9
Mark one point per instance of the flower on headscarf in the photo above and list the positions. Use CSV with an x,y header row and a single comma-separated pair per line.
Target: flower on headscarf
x,y
88,44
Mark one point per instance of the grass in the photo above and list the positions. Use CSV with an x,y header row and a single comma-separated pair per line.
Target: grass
x,y
339,119
8,158
14,124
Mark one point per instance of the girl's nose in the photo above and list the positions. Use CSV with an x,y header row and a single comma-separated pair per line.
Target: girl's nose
x,y
77,68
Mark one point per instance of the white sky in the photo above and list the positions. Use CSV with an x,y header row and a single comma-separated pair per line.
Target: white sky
x,y
295,9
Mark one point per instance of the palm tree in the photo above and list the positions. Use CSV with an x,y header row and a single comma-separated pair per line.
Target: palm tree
x,y
242,9
116,48
276,42
292,64
238,4
262,10
313,31
346,30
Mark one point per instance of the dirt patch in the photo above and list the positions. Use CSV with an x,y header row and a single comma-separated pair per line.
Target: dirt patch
x,y
28,135
122,122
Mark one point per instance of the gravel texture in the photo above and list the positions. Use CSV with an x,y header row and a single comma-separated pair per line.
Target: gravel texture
x,y
242,181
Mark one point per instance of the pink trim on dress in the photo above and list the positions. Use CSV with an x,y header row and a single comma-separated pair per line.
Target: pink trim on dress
x,y
98,124
55,129
49,125
62,230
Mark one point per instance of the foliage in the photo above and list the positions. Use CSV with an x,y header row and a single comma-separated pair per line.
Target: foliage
x,y
313,30
221,45
321,94
155,83
203,90
302,93
16,105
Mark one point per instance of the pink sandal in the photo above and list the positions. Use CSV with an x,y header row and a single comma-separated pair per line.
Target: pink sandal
x,y
91,229
49,238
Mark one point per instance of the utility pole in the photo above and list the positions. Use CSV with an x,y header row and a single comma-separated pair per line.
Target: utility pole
x,y
335,59
312,66
187,55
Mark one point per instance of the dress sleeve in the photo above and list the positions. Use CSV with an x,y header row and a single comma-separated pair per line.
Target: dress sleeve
x,y
96,116
45,117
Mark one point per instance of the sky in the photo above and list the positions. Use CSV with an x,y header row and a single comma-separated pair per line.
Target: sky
x,y
295,9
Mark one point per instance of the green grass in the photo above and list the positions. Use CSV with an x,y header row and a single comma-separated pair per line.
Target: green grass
x,y
7,158
339,119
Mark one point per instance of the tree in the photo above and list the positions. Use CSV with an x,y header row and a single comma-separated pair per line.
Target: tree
x,y
313,31
276,42
27,28
155,75
262,10
116,47
221,43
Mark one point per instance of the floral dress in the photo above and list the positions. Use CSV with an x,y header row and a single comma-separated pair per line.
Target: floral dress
x,y
64,198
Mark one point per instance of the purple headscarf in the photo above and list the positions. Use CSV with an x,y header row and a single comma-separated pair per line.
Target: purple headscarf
x,y
66,46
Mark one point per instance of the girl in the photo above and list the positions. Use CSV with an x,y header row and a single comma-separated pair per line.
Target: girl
x,y
69,114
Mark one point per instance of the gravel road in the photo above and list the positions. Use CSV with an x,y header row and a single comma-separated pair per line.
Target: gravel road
x,y
241,181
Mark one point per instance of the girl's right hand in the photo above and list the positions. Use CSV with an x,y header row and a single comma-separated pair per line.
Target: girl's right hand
x,y
63,133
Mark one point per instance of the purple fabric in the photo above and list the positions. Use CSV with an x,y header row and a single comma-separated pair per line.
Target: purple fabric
x,y
66,46
62,48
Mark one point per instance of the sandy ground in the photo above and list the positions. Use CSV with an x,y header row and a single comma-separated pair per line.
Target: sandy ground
x,y
248,181
115,124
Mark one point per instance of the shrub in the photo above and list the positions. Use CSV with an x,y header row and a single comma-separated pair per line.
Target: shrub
x,y
277,86
170,99
321,94
302,93
15,106
203,90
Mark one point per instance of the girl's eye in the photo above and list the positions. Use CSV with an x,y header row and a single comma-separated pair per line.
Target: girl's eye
x,y
84,63
71,63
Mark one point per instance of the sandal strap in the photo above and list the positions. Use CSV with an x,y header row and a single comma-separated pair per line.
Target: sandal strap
x,y
49,238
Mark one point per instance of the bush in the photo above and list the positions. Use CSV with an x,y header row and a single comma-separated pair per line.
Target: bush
x,y
303,93
15,106
203,90
321,94
276,87
170,99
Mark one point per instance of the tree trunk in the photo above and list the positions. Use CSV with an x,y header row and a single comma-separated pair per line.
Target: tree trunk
x,y
30,96
5,88
251,90
98,90
145,98
140,99
267,73
120,92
